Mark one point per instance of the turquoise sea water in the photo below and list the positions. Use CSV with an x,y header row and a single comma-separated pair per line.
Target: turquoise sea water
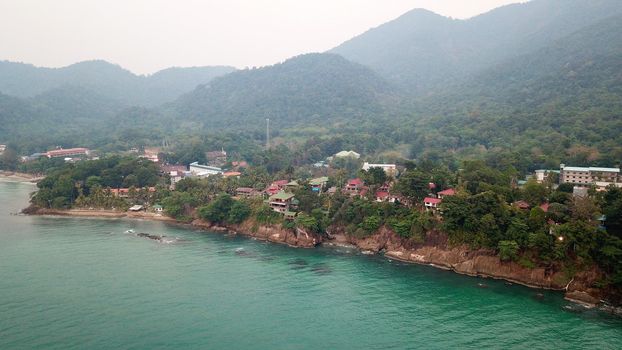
x,y
73,283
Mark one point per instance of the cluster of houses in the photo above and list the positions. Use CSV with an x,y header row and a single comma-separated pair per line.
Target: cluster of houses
x,y
281,199
279,194
216,160
432,203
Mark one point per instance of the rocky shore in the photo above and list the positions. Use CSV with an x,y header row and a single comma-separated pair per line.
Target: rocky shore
x,y
462,260
271,233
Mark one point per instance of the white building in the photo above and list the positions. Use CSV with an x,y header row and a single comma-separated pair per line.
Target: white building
x,y
389,169
201,170
588,176
542,174
348,154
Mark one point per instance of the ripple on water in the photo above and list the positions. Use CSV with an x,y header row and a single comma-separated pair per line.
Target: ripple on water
x,y
69,284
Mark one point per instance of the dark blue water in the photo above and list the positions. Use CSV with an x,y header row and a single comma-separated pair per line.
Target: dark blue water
x,y
71,283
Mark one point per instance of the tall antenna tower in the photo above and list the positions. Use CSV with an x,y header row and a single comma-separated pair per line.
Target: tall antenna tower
x,y
267,134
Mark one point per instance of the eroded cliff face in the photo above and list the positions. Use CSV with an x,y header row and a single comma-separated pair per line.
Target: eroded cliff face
x,y
272,233
485,263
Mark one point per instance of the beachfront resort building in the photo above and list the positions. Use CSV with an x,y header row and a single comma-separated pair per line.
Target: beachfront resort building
x,y
57,153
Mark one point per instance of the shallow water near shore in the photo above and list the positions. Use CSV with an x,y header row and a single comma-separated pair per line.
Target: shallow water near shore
x,y
77,283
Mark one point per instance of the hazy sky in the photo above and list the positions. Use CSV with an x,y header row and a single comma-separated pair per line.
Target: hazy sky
x,y
147,35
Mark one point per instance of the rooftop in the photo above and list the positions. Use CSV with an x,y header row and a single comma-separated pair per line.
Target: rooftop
x,y
367,166
344,154
586,169
206,167
319,180
282,196
356,181
432,200
447,192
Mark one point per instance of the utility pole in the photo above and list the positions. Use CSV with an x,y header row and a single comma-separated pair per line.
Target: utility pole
x,y
267,134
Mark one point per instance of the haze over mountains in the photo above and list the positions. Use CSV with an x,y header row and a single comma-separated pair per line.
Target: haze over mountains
x,y
422,50
108,80
544,74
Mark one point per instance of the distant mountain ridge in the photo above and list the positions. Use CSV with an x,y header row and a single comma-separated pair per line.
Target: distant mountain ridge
x,y
306,89
112,81
539,82
422,51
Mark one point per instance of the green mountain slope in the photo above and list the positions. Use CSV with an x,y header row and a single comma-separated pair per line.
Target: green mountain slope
x,y
559,103
308,90
422,51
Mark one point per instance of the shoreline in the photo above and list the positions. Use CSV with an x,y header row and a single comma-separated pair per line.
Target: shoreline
x,y
280,236
480,275
13,176
101,213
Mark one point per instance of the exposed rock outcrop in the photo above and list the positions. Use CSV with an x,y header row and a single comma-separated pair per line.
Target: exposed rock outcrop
x,y
272,233
484,263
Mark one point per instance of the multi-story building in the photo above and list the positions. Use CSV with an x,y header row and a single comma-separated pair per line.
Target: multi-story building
x,y
281,202
201,170
588,176
389,169
68,152
542,175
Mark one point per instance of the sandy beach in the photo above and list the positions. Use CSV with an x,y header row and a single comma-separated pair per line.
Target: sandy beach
x,y
100,213
19,177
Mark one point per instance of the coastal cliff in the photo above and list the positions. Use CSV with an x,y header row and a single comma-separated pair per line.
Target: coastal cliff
x,y
271,233
483,263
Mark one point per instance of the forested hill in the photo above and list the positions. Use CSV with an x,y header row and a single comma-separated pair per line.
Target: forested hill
x,y
61,116
528,85
562,103
312,90
422,51
111,81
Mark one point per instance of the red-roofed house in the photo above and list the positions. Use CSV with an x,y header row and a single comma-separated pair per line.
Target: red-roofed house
x,y
432,203
544,207
382,196
120,192
363,191
447,192
521,205
280,183
354,186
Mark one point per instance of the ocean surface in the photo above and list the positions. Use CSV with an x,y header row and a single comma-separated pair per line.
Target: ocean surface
x,y
77,283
